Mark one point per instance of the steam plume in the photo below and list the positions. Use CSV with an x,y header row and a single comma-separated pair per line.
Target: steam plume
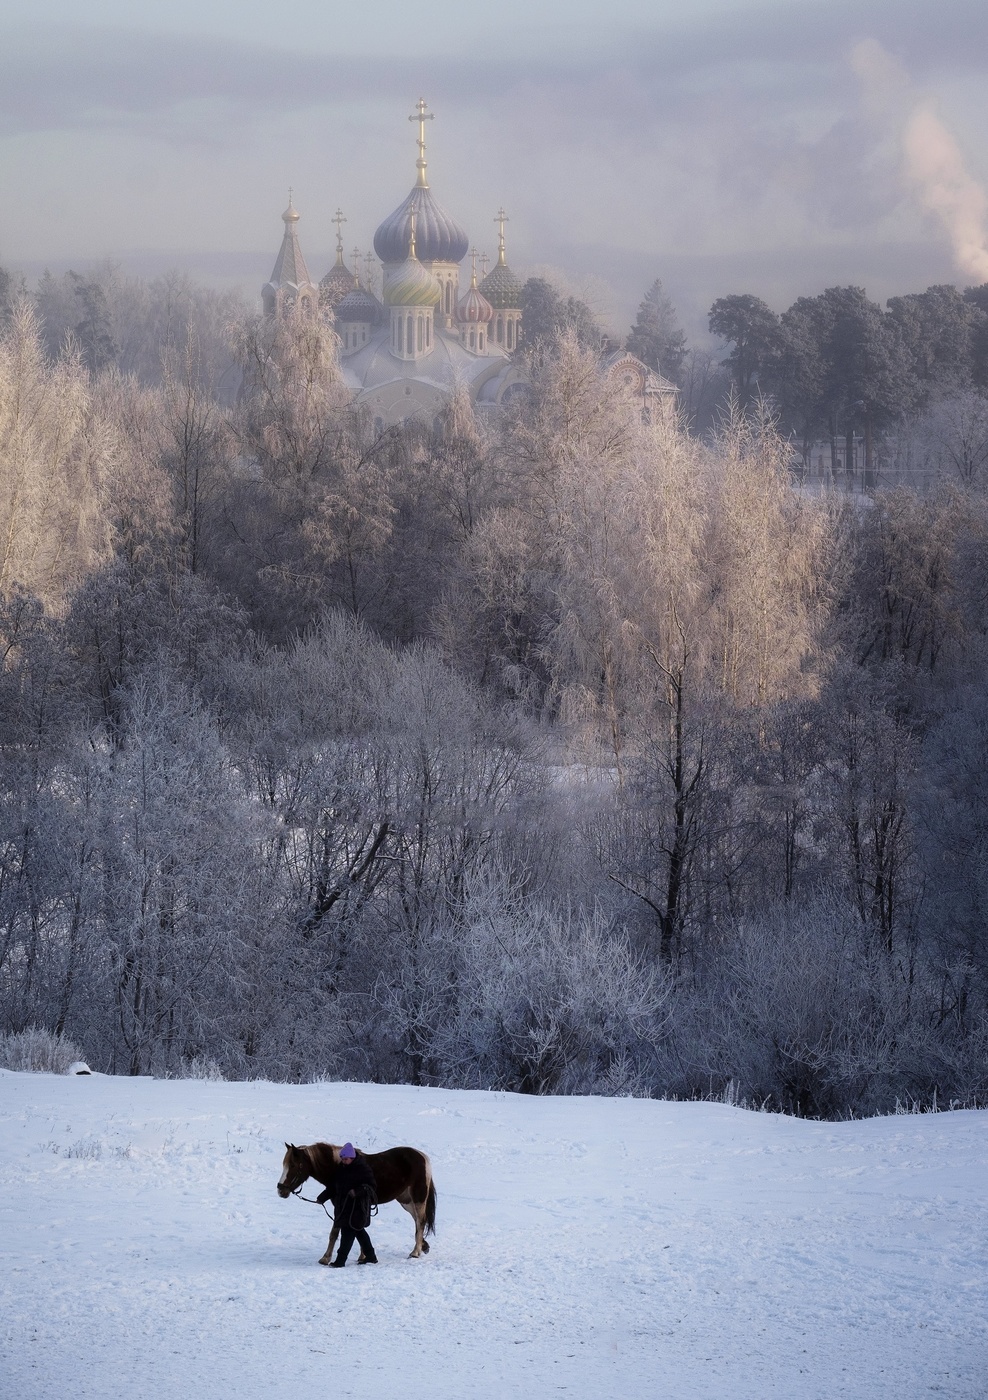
x,y
933,162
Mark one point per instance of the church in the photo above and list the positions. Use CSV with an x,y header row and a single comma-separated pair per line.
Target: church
x,y
404,355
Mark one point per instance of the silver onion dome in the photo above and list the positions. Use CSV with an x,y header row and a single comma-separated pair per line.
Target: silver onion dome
x,y
438,238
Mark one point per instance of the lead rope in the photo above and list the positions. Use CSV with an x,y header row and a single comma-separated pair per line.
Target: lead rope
x,y
311,1200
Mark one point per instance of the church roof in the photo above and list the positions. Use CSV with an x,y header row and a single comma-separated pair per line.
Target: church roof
x,y
339,280
290,270
473,306
412,284
359,305
448,363
502,288
438,237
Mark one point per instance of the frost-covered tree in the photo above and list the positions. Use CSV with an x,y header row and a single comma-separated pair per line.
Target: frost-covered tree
x,y
56,451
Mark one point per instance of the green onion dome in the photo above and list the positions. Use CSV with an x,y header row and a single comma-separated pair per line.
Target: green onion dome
x,y
412,285
502,288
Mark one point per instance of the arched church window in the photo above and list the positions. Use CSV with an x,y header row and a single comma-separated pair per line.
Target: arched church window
x,y
410,336
419,334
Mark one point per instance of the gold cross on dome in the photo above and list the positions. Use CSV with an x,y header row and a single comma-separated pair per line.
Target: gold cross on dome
x,y
339,220
501,220
474,256
356,265
421,115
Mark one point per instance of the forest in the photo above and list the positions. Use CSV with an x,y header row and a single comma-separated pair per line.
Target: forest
x,y
570,751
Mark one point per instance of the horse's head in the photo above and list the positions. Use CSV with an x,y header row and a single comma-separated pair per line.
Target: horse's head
x,y
294,1170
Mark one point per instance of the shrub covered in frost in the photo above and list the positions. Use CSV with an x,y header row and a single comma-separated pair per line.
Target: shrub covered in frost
x,y
39,1051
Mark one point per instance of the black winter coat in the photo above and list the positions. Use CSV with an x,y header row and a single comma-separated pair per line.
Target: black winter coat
x,y
353,1193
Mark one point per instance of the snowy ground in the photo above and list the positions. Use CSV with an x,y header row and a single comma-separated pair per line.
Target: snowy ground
x,y
585,1247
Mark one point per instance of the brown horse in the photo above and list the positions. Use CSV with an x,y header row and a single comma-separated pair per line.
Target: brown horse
x,y
402,1174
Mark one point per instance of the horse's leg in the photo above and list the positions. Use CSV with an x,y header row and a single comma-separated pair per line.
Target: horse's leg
x,y
417,1212
333,1237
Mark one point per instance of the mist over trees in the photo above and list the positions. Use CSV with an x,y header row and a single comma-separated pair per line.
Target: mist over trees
x,y
561,751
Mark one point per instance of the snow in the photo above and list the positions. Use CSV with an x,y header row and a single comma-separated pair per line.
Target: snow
x,y
584,1247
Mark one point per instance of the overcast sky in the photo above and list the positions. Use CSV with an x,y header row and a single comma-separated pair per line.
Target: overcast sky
x,y
722,145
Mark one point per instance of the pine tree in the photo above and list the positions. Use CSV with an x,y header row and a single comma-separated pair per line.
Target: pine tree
x,y
656,337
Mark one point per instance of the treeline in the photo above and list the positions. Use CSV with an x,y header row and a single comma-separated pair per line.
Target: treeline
x,y
838,364
909,382
560,753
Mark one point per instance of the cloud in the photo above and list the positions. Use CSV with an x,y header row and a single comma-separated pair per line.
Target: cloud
x,y
52,79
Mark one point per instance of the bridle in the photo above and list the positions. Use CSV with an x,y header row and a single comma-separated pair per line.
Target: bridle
x,y
310,1200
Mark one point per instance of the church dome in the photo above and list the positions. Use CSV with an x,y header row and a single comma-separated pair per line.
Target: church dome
x,y
502,288
338,283
474,307
359,305
438,238
412,285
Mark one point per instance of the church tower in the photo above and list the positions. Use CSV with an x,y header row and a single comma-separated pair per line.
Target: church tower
x,y
503,290
412,293
440,242
290,286
357,315
473,315
339,280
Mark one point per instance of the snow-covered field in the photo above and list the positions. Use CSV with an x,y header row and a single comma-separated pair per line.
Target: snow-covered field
x,y
584,1247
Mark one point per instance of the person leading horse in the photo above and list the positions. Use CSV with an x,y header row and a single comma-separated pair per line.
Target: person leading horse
x,y
354,1197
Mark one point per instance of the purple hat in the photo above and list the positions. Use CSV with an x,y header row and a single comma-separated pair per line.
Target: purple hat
x,y
347,1151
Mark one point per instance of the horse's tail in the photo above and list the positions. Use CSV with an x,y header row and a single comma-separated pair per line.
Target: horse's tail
x,y
430,1209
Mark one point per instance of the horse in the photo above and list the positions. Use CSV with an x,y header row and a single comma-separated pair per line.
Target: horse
x,y
402,1174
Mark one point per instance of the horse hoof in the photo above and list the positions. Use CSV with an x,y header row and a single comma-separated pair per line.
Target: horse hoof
x,y
425,1246
325,1259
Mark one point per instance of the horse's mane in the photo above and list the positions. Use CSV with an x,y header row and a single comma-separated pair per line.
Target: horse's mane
x,y
324,1158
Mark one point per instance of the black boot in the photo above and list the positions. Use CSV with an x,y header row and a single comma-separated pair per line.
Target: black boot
x,y
337,1263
